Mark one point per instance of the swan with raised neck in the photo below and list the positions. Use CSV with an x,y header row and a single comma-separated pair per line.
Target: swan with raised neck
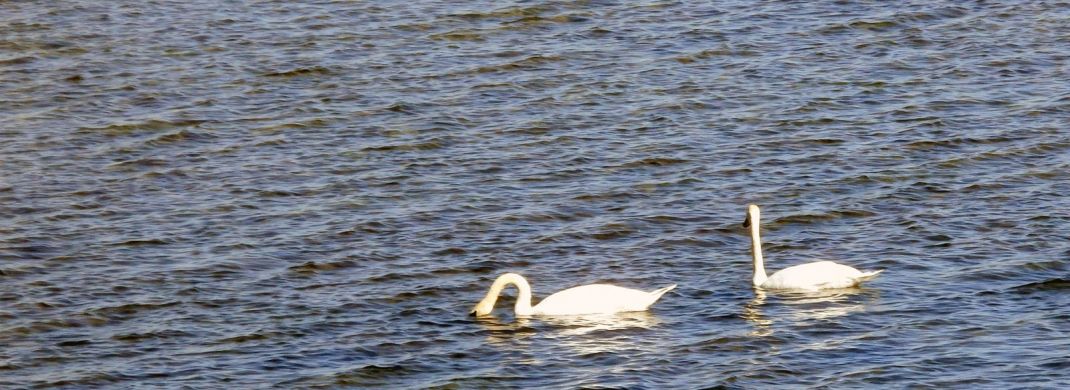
x,y
817,275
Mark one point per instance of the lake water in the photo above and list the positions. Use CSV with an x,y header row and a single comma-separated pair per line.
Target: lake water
x,y
304,195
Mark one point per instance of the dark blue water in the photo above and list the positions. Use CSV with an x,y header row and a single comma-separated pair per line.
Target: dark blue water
x,y
273,194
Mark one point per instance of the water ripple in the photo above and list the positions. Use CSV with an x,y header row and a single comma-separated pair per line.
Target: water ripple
x,y
314,194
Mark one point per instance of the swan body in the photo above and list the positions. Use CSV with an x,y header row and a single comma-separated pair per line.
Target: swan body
x,y
818,275
587,299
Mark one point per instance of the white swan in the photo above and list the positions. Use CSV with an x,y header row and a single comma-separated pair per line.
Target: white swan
x,y
588,299
810,276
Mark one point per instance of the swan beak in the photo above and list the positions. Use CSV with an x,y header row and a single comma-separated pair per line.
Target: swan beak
x,y
746,222
473,313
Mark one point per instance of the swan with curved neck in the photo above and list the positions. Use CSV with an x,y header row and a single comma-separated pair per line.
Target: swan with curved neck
x,y
587,299
810,276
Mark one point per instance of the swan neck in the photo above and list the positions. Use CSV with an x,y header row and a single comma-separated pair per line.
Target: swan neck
x,y
756,251
523,299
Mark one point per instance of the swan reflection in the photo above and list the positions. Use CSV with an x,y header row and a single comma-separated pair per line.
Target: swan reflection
x,y
572,326
823,305
509,332
585,334
801,307
607,333
752,311
513,335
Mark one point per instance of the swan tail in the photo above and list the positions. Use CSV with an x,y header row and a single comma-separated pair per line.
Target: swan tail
x,y
867,276
661,291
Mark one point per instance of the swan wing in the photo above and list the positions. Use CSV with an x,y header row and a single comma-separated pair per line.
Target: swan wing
x,y
598,299
816,276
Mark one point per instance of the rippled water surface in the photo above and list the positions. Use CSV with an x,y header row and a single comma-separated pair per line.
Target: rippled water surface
x,y
313,194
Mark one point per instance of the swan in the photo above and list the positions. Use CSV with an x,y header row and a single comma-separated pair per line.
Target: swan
x,y
587,299
810,276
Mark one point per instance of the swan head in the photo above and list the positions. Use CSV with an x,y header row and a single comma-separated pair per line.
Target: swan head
x,y
482,308
753,214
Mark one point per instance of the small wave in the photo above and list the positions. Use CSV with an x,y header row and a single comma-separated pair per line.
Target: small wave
x,y
394,277
982,187
1057,284
527,63
281,193
255,336
613,230
306,124
52,324
273,142
312,71
536,20
481,268
18,61
119,129
875,25
94,379
931,187
401,107
507,12
690,242
410,295
813,218
953,142
603,196
128,310
12,272
371,227
432,144
138,163
808,122
153,335
142,242
1058,364
177,137
451,251
372,375
312,267
655,161
724,51
459,35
